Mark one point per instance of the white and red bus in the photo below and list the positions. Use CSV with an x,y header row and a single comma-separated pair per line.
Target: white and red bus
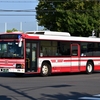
x,y
48,52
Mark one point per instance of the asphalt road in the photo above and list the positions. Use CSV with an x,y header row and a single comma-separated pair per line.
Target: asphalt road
x,y
56,87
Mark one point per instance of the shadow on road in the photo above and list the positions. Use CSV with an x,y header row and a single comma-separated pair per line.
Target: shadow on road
x,y
44,96
60,96
11,75
2,97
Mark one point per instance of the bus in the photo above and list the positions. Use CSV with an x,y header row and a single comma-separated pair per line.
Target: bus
x,y
48,52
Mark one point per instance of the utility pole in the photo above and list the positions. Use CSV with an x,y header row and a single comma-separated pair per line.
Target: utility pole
x,y
36,26
21,26
5,27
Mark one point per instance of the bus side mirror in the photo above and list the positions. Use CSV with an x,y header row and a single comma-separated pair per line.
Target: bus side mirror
x,y
20,43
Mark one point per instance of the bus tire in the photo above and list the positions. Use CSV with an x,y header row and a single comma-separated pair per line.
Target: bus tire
x,y
89,67
45,69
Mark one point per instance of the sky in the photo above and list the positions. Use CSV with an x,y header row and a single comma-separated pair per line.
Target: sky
x,y
9,20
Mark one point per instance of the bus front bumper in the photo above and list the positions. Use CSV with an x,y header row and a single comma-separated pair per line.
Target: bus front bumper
x,y
8,70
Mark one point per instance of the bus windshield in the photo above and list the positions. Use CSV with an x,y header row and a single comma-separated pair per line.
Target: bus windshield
x,y
11,49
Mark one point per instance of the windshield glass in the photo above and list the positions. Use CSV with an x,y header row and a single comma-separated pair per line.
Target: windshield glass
x,y
11,50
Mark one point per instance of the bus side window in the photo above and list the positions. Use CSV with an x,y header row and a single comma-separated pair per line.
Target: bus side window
x,y
41,51
74,52
27,49
68,52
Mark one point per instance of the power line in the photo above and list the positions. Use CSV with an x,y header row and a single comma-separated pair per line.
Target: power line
x,y
46,11
17,15
25,10
63,0
18,1
40,0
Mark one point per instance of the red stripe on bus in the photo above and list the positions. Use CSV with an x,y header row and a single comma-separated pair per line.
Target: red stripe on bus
x,y
32,37
53,61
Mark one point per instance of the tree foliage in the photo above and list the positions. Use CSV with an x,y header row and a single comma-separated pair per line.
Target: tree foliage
x,y
12,30
79,17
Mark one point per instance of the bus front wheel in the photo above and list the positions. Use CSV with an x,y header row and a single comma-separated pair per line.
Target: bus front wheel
x,y
89,67
45,69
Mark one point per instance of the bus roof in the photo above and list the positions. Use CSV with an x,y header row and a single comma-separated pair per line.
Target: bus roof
x,y
52,35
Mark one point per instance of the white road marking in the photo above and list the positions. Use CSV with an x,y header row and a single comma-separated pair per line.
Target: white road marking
x,y
97,95
89,98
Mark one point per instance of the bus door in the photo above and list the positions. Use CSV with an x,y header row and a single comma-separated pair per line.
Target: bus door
x,y
75,57
31,56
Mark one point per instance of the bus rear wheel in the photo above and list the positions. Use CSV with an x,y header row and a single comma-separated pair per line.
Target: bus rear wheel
x,y
45,69
89,67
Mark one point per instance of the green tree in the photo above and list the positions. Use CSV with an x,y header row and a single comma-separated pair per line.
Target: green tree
x,y
79,17
12,30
